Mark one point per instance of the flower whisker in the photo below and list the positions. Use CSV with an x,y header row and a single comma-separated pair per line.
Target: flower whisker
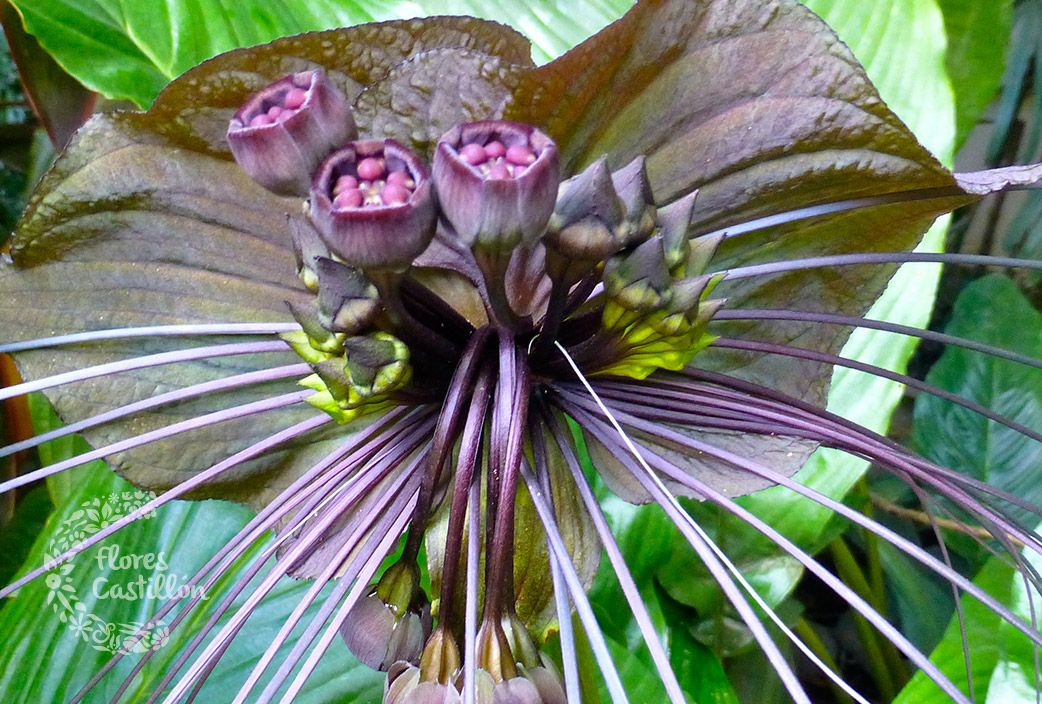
x,y
857,517
389,528
336,565
370,439
150,331
853,321
180,490
153,360
559,554
824,358
202,389
692,532
184,426
301,545
618,562
753,270
603,433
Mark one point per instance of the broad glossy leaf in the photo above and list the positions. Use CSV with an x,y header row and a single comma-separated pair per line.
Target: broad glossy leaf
x,y
990,310
978,36
130,49
750,102
125,50
49,658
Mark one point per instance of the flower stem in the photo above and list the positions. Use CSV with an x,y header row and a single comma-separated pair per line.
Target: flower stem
x,y
513,398
470,454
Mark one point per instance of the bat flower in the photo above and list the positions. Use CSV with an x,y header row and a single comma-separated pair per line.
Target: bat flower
x,y
509,295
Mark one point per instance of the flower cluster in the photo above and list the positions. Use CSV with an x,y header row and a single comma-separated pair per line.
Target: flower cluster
x,y
586,272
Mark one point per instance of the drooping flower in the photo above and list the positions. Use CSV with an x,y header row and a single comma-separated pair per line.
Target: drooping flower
x,y
448,329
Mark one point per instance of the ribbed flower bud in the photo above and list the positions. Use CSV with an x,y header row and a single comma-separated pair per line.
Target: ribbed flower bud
x,y
392,623
634,189
440,661
372,365
283,132
347,301
372,204
319,337
638,280
674,222
586,217
497,182
377,363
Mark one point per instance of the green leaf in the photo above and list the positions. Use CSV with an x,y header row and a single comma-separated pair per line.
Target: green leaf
x,y
978,36
1000,657
990,310
553,27
19,533
131,49
50,658
699,671
126,49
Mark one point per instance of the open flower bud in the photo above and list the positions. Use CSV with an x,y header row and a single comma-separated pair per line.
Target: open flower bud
x,y
283,132
372,204
497,182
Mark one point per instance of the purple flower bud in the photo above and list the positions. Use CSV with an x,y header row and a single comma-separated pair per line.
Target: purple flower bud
x,y
497,182
371,203
548,682
392,623
283,132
